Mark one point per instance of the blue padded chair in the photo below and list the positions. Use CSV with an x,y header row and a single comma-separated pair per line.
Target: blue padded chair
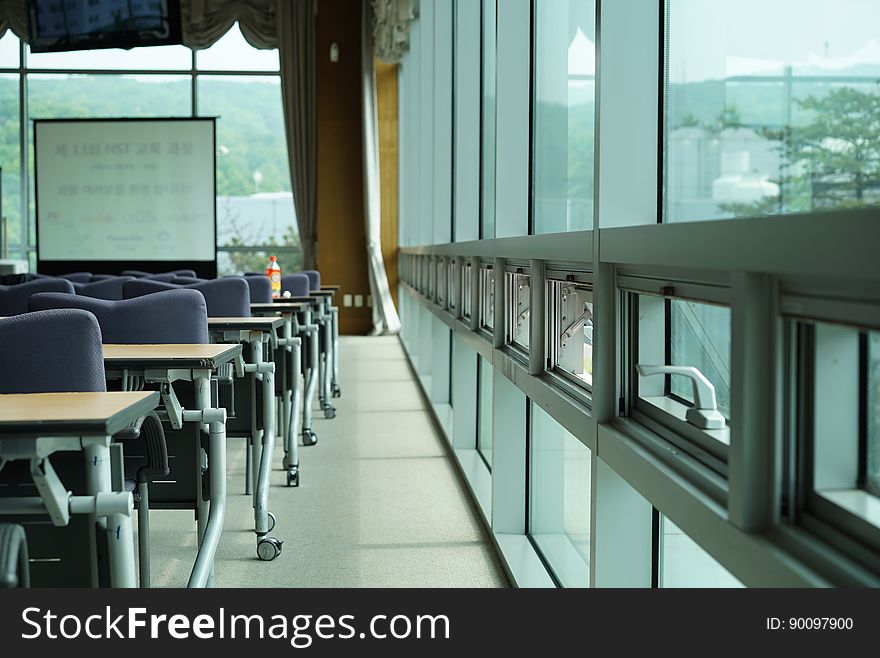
x,y
45,352
140,274
51,351
102,289
314,278
260,287
223,297
77,277
14,299
297,284
175,316
186,280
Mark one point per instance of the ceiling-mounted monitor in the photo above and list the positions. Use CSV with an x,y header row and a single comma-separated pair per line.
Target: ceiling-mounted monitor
x,y
61,25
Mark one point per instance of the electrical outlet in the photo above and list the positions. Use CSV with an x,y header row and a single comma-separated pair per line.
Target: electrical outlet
x,y
358,300
346,301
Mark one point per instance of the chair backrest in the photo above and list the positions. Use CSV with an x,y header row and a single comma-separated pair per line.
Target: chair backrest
x,y
172,316
314,278
14,299
223,297
77,277
186,280
260,287
137,274
296,284
140,274
102,289
51,351
104,277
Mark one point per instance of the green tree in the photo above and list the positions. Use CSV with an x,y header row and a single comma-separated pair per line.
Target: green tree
x,y
839,150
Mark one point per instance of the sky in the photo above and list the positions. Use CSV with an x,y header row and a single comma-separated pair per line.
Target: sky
x,y
711,39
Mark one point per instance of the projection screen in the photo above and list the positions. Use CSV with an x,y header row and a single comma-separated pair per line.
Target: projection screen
x,y
126,192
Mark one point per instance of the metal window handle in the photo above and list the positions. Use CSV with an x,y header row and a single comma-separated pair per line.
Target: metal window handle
x,y
704,414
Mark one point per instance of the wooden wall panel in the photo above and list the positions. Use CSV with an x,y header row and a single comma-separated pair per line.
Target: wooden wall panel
x,y
342,256
386,90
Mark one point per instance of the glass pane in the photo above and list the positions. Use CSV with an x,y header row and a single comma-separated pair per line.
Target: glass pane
x,y
846,408
10,166
519,309
700,337
763,119
559,501
487,298
683,563
872,474
466,302
572,326
487,173
565,80
484,422
153,58
9,50
254,201
105,96
233,53
239,262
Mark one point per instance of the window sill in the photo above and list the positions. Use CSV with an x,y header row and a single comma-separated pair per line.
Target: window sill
x,y
678,411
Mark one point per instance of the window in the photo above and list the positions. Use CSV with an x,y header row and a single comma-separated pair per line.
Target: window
x,y
484,411
255,213
565,75
840,413
487,120
441,284
518,305
683,563
559,499
487,298
570,330
466,301
682,373
765,120
452,281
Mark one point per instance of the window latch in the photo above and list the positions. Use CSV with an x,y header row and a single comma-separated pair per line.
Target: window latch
x,y
704,414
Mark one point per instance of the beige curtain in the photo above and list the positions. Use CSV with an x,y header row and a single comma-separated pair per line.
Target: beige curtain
x,y
295,29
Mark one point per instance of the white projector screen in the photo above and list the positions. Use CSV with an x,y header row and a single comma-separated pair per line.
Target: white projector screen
x,y
125,190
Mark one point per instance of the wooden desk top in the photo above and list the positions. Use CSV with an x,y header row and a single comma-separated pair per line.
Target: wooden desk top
x,y
332,287
66,414
172,355
258,323
321,293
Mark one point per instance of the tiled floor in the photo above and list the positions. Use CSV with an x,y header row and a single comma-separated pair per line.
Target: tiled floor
x,y
379,505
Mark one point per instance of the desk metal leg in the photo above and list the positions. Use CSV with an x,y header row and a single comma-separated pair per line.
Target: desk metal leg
x,y
144,533
292,401
268,548
327,367
334,315
211,514
311,376
117,527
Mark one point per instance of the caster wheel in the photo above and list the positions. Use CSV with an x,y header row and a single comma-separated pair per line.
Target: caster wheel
x,y
329,412
293,478
271,521
309,438
268,548
337,392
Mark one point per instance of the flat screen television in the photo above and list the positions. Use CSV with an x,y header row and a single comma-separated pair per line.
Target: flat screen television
x,y
61,25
